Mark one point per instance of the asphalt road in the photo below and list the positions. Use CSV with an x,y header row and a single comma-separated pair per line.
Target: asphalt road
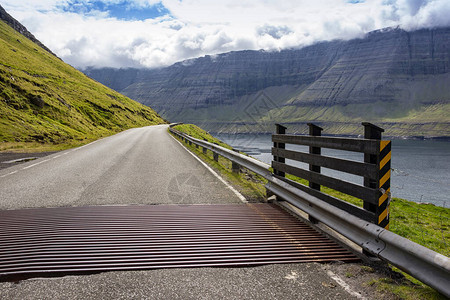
x,y
138,166
145,166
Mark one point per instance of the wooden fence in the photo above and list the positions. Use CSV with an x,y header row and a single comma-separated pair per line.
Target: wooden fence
x,y
375,169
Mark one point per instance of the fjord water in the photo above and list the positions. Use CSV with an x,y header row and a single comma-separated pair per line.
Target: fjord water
x,y
421,168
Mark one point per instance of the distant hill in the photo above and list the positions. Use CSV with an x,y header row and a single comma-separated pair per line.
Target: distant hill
x,y
397,79
46,104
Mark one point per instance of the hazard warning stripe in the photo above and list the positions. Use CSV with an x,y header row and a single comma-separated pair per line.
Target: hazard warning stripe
x,y
384,183
385,160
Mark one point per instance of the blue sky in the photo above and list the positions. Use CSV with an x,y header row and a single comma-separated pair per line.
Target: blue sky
x,y
122,10
157,33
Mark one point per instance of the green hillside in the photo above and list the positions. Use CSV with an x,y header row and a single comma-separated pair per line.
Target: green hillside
x,y
46,104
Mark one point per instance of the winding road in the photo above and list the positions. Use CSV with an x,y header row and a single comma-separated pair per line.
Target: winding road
x,y
138,166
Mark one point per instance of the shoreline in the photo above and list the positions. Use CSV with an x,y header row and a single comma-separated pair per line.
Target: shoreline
x,y
393,137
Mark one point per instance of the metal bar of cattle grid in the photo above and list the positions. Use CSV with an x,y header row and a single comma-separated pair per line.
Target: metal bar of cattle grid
x,y
47,241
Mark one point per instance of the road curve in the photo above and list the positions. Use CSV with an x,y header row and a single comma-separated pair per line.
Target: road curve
x,y
138,166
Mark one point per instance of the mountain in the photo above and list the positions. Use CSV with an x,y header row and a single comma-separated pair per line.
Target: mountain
x,y
47,104
397,79
8,19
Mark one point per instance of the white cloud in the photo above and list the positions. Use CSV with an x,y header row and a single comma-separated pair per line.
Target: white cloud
x,y
198,27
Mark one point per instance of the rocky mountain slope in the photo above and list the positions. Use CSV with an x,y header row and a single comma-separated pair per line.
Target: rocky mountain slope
x,y
8,19
397,79
46,104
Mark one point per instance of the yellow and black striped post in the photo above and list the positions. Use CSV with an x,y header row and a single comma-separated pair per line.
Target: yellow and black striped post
x,y
384,184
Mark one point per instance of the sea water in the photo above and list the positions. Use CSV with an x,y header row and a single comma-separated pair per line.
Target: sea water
x,y
420,168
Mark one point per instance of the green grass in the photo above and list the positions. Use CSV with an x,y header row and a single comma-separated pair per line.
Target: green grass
x,y
199,133
425,224
406,288
46,104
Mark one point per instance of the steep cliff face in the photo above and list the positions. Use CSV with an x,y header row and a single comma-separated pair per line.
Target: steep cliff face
x,y
389,76
382,67
219,80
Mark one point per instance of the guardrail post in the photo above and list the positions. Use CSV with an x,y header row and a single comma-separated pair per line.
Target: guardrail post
x,y
235,168
204,149
371,132
382,185
280,129
314,130
216,156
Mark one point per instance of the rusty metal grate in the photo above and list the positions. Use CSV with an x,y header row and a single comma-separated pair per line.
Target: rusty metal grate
x,y
49,241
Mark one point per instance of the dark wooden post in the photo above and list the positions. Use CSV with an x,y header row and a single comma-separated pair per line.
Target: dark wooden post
x,y
314,130
204,149
280,129
234,166
371,132
216,156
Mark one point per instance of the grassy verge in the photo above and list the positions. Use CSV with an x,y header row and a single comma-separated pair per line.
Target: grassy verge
x,y
424,224
31,147
405,287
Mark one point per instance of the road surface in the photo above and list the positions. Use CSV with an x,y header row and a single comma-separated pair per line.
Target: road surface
x,y
147,166
138,166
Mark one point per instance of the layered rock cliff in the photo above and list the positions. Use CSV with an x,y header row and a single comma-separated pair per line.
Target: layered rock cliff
x,y
393,77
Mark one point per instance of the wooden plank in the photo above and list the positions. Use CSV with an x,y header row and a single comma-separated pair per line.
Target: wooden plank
x,y
343,165
358,191
348,207
347,144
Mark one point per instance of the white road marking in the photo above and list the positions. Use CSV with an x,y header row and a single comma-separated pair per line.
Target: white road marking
x,y
13,172
45,160
344,285
239,195
33,165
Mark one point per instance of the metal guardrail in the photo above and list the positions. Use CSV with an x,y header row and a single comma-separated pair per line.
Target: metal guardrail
x,y
422,263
